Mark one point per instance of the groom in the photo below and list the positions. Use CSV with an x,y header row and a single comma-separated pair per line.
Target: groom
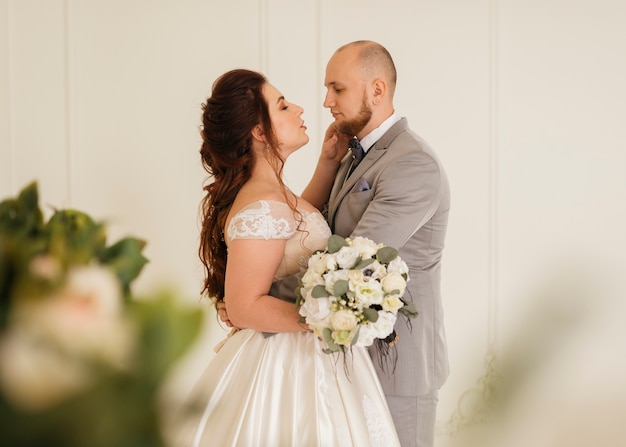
x,y
397,195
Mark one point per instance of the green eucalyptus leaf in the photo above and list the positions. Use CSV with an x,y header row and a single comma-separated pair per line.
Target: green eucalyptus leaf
x,y
370,314
319,291
167,329
386,254
22,214
340,288
356,336
328,338
125,259
335,243
408,309
74,237
299,297
363,263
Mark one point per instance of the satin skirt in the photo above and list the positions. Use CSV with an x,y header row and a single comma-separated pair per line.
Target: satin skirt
x,y
283,391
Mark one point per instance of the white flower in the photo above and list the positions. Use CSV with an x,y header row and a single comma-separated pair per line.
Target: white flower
x,y
320,262
45,266
366,335
365,246
347,257
392,303
398,266
344,320
311,278
375,270
50,345
316,310
394,281
83,318
33,375
381,329
355,276
369,291
343,337
331,278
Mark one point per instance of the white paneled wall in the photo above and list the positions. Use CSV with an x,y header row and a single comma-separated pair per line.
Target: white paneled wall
x,y
523,100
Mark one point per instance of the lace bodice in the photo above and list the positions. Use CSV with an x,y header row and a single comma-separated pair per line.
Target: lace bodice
x,y
270,219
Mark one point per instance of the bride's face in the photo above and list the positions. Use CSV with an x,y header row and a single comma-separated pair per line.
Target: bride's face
x,y
287,121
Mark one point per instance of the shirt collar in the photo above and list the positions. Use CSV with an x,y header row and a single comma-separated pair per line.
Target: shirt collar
x,y
371,138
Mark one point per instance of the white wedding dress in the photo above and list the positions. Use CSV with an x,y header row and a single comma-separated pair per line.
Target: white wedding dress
x,y
281,390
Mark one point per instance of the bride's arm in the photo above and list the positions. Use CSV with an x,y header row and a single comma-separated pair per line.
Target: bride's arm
x,y
333,150
250,271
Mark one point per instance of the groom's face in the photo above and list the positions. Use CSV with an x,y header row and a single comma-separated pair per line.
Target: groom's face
x,y
346,93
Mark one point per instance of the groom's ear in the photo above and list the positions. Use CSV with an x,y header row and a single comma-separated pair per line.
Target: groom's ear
x,y
258,134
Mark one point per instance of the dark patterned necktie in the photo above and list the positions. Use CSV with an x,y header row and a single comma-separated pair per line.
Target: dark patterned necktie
x,y
357,153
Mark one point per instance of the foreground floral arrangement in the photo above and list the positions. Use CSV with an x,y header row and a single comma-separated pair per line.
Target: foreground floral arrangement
x,y
81,360
351,293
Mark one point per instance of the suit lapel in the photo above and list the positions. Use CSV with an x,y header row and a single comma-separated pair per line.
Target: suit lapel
x,y
341,188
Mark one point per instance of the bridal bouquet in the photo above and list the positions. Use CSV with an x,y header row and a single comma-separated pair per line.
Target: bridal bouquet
x,y
352,291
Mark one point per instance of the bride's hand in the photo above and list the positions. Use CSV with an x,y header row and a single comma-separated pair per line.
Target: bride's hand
x,y
335,145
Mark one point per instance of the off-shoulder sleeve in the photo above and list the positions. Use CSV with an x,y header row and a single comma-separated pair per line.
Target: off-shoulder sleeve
x,y
263,219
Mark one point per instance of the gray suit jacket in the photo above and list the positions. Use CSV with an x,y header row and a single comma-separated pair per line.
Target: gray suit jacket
x,y
399,195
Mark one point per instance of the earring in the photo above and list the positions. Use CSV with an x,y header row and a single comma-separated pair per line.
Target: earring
x,y
267,147
376,101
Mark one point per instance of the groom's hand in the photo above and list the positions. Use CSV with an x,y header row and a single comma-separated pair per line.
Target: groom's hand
x,y
223,314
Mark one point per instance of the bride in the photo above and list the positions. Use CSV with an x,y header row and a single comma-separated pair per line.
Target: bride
x,y
270,384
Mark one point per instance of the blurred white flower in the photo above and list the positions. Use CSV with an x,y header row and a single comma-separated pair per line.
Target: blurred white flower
x,y
34,374
45,267
52,342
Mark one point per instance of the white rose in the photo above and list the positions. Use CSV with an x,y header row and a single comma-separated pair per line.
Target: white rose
x,y
316,311
392,303
365,246
311,278
343,320
398,266
355,277
368,292
394,281
318,263
331,277
347,257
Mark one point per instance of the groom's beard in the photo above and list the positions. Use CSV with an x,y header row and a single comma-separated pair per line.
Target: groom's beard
x,y
356,125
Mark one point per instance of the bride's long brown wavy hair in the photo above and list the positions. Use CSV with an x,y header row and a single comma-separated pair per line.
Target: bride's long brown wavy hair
x,y
235,107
